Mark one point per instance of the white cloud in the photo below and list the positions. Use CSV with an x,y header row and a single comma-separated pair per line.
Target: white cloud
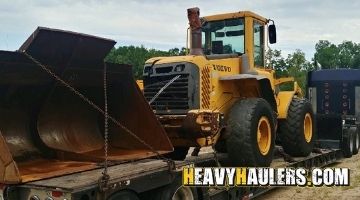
x,y
162,24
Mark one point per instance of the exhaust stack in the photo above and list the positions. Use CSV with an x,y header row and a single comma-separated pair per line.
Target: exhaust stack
x,y
195,31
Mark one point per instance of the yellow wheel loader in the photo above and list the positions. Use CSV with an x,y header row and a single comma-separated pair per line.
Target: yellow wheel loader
x,y
222,95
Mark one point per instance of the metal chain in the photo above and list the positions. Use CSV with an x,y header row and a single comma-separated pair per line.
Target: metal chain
x,y
104,180
106,121
88,101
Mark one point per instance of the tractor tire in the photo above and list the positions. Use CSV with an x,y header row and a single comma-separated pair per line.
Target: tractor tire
x,y
251,133
347,143
175,191
297,133
356,141
179,153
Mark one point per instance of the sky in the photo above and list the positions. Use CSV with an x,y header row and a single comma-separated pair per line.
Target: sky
x,y
162,24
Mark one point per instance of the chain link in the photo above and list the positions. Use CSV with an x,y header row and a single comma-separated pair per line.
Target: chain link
x,y
96,107
106,176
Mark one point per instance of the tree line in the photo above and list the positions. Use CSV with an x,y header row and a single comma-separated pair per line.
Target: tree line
x,y
344,55
327,56
136,56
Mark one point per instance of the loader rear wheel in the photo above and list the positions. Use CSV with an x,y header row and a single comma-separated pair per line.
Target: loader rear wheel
x,y
297,132
251,133
356,141
179,153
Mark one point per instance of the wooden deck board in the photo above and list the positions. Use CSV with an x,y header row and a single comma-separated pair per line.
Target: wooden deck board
x,y
88,178
119,172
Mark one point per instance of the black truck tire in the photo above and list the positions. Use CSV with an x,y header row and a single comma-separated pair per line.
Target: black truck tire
x,y
356,141
179,153
124,195
297,132
175,190
251,133
347,143
220,146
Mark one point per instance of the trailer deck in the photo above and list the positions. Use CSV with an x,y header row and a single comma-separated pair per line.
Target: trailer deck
x,y
148,174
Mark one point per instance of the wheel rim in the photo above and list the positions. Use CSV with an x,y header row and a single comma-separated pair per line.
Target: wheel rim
x,y
308,127
264,135
183,193
357,141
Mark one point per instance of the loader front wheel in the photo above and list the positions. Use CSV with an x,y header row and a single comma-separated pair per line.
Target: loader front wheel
x,y
250,127
297,132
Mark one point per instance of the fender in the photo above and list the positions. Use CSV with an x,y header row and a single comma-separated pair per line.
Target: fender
x,y
250,85
284,99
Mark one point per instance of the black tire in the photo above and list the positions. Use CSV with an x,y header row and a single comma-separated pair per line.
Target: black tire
x,y
347,143
220,146
175,189
356,141
179,153
124,195
291,131
242,129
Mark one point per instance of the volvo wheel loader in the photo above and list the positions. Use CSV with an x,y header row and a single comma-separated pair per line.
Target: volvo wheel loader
x,y
222,95
52,104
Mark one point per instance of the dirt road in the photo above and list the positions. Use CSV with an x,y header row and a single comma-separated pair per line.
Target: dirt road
x,y
351,192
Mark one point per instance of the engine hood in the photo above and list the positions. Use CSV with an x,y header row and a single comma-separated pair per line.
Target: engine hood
x,y
176,59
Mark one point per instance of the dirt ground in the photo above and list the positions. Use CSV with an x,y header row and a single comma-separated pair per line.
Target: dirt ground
x,y
351,192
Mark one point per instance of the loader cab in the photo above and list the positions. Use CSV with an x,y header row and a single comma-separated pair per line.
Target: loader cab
x,y
237,33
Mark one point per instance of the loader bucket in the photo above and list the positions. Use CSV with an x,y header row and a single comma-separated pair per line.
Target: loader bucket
x,y
46,130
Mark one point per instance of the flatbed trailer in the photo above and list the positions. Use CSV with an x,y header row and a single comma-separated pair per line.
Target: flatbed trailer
x,y
33,166
140,179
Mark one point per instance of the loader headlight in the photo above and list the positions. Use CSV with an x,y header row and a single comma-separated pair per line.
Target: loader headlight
x,y
179,68
148,70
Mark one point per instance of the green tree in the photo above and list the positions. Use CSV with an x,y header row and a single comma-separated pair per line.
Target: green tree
x,y
178,52
326,54
294,65
298,66
136,56
174,51
331,56
275,60
349,55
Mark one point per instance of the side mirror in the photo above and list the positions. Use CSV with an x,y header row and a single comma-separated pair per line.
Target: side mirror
x,y
272,33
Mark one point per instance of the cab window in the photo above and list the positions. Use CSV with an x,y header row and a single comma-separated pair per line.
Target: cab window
x,y
258,44
223,36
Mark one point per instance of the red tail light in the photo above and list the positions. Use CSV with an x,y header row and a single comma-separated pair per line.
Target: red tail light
x,y
56,193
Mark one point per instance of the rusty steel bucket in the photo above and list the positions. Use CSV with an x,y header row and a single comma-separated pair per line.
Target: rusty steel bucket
x,y
47,130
